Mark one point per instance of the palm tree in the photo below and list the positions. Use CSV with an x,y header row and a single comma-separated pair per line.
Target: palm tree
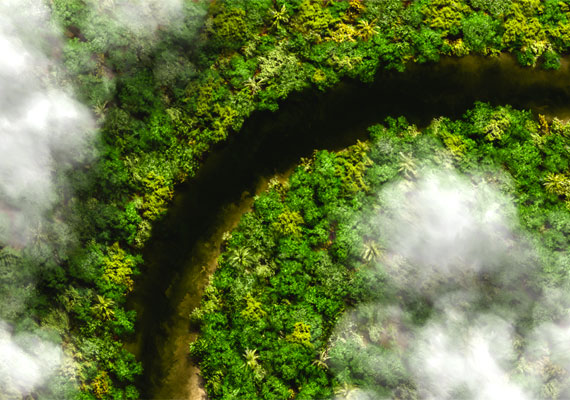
x,y
254,85
321,361
366,30
346,391
557,183
99,108
371,251
279,17
103,307
241,257
251,358
408,165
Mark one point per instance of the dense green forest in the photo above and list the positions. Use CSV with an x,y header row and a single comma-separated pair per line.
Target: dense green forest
x,y
325,242
116,103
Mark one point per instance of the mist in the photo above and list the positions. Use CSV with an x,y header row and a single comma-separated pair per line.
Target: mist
x,y
44,131
144,17
42,127
468,321
445,224
49,120
26,361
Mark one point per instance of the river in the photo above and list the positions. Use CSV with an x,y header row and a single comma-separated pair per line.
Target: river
x,y
185,245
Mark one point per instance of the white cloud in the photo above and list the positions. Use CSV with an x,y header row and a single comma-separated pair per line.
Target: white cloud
x,y
444,225
441,234
42,130
41,126
143,16
462,355
26,361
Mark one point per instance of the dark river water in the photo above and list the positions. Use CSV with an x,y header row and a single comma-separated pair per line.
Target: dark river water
x,y
185,244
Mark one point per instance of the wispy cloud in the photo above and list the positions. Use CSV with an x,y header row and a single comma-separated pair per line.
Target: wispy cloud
x,y
146,16
454,244
42,127
26,361
461,357
444,223
43,131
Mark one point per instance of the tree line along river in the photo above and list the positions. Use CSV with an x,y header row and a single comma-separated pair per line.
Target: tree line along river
x,y
186,242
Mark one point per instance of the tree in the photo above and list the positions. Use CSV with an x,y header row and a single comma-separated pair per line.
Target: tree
x,y
493,7
479,31
103,307
366,30
321,361
346,391
370,251
241,258
279,17
408,166
557,183
251,358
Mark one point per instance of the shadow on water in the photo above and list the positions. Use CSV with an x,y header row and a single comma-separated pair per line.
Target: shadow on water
x,y
185,243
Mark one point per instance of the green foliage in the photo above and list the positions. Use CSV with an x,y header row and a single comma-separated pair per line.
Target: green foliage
x,y
103,307
301,334
494,7
253,310
229,27
118,268
524,31
445,16
241,258
351,166
282,337
312,19
480,32
158,193
163,98
288,223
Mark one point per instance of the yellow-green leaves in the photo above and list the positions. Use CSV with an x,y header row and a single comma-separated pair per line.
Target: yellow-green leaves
x,y
251,358
453,141
558,184
313,19
496,127
301,334
103,307
253,310
351,165
231,27
101,385
279,17
523,29
118,267
158,193
366,30
288,223
445,15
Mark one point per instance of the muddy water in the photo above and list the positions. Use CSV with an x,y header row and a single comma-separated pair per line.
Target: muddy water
x,y
186,243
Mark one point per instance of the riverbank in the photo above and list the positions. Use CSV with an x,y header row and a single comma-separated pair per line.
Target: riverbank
x,y
186,243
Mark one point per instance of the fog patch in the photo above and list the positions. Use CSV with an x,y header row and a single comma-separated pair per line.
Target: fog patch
x,y
42,127
26,362
44,132
459,357
465,319
445,224
141,21
143,17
